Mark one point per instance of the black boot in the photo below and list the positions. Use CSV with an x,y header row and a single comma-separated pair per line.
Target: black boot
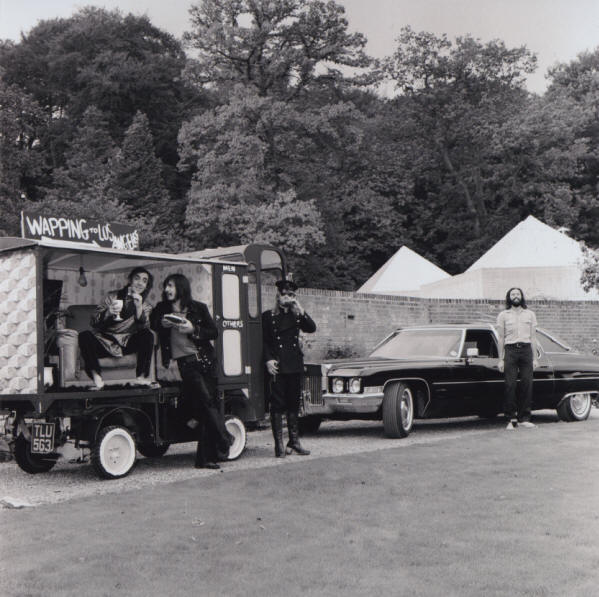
x,y
276,422
293,445
206,450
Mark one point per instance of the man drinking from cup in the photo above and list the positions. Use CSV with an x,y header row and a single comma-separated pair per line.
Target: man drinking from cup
x,y
284,361
121,325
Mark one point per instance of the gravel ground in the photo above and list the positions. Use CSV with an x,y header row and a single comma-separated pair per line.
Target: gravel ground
x,y
69,480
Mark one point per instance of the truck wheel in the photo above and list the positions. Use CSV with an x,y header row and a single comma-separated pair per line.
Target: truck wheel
x,y
398,410
151,450
575,407
113,454
236,428
32,463
309,424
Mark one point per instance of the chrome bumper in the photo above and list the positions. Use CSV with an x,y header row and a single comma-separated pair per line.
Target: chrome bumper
x,y
346,403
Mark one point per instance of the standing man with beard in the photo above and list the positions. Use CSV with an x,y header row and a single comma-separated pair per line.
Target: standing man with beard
x,y
284,361
516,327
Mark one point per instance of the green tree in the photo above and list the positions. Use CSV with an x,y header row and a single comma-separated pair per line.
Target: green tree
x,y
21,126
573,96
136,182
81,187
455,96
286,128
242,188
278,47
121,64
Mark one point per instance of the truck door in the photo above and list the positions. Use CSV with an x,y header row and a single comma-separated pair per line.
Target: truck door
x,y
230,316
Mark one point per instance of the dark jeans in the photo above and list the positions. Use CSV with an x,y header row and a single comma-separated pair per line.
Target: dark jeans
x,y
285,390
201,403
518,403
141,342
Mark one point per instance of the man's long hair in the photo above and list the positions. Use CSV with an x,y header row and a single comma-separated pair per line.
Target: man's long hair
x,y
183,289
142,270
508,302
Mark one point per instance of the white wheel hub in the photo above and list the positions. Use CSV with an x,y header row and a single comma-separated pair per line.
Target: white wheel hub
x,y
117,452
237,429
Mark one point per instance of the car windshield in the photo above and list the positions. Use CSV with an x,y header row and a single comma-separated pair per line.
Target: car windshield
x,y
420,343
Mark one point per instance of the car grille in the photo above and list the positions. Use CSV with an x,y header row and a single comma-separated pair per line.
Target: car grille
x,y
312,388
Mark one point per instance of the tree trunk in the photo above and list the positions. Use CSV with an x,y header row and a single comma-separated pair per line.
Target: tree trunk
x,y
470,205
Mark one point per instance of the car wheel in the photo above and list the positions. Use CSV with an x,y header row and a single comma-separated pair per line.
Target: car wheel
x,y
151,450
398,410
575,407
113,455
237,429
309,424
32,463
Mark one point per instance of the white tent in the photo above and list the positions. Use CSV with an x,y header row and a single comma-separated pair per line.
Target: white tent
x,y
531,243
544,262
403,274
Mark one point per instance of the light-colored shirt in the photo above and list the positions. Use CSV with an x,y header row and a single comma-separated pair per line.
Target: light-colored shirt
x,y
517,325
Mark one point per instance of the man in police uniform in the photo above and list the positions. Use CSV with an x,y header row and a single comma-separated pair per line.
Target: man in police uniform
x,y
284,361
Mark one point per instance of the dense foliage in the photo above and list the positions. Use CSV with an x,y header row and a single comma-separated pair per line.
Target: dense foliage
x,y
271,129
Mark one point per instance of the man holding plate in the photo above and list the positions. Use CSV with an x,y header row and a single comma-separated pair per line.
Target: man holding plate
x,y
185,329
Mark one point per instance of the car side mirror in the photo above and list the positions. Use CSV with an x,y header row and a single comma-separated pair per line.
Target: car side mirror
x,y
472,352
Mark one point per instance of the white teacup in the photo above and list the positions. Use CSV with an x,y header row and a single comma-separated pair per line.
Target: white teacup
x,y
118,303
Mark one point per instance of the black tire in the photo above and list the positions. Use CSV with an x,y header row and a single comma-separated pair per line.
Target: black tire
x,y
237,429
151,450
309,424
32,463
113,454
576,407
398,410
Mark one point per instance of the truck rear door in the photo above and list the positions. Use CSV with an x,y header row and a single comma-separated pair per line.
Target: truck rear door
x,y
230,316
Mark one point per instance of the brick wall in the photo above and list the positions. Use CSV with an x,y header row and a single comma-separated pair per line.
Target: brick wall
x,y
351,322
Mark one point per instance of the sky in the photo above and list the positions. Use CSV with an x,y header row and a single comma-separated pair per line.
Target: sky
x,y
556,30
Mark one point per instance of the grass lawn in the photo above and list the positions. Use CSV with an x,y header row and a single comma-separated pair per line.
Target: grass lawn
x,y
492,514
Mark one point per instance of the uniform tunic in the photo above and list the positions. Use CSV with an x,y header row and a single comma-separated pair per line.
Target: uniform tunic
x,y
280,332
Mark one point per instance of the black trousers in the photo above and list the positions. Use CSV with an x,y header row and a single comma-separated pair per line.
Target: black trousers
x,y
201,403
285,391
141,342
518,400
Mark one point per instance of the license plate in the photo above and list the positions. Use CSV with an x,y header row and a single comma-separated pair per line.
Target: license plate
x,y
42,438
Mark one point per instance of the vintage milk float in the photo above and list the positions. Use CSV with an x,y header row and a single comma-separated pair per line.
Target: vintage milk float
x,y
48,291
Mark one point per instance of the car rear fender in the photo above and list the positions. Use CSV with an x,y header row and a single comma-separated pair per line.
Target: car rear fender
x,y
594,396
422,390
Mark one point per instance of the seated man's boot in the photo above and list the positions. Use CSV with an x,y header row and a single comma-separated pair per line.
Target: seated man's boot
x,y
293,445
276,422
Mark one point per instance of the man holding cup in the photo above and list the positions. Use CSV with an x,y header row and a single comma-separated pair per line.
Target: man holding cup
x,y
284,362
121,325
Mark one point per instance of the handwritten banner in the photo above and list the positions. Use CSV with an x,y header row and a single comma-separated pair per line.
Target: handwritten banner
x,y
80,230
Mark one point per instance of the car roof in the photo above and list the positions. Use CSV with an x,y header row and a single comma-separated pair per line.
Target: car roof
x,y
485,325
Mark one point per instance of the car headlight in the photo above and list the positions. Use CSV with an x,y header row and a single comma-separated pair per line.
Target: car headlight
x,y
355,385
337,385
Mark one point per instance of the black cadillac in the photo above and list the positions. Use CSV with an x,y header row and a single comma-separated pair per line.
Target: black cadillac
x,y
437,371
